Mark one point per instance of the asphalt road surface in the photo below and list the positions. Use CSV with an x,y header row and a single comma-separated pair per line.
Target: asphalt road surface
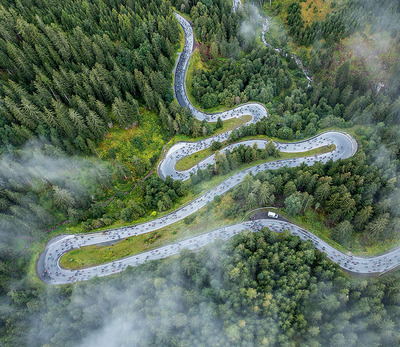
x,y
48,266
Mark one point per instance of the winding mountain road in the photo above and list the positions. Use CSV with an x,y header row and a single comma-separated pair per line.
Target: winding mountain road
x,y
48,267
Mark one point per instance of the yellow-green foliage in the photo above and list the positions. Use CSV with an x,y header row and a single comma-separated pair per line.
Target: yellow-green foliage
x,y
315,10
311,10
191,160
205,219
370,53
144,142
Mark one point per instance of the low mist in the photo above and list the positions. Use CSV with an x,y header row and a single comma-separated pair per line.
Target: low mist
x,y
251,26
39,184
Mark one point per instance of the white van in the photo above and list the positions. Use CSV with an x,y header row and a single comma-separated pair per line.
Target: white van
x,y
272,215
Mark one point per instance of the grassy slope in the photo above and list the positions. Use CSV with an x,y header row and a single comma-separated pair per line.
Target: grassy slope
x,y
315,10
369,53
120,140
191,160
196,63
315,222
278,33
179,50
140,243
149,134
208,218
204,185
311,10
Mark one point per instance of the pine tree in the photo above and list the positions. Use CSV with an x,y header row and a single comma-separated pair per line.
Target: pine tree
x,y
18,113
63,120
63,198
149,96
95,124
77,121
133,108
120,112
219,123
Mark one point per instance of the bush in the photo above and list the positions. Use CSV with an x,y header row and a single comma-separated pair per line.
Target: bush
x,y
189,219
216,145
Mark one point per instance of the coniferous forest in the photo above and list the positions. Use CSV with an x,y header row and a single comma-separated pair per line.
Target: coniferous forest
x,y
260,289
87,114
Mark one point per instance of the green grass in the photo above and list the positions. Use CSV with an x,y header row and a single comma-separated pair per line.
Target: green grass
x,y
229,124
315,222
208,218
193,193
359,247
195,63
140,244
35,249
180,46
144,142
310,15
191,160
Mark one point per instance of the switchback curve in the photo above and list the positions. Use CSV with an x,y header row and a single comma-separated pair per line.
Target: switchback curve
x,y
48,266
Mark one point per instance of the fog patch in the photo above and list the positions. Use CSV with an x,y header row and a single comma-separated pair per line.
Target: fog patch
x,y
30,179
250,27
377,47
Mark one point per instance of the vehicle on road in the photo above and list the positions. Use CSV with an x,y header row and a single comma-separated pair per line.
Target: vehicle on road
x,y
47,265
272,215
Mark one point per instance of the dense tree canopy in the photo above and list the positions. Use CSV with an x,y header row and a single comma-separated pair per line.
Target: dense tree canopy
x,y
260,76
257,289
72,69
353,196
65,68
